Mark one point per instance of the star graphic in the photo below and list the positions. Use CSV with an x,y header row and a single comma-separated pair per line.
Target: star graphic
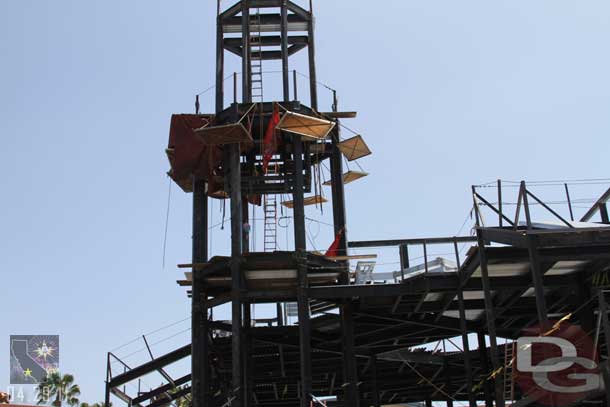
x,y
44,350
27,373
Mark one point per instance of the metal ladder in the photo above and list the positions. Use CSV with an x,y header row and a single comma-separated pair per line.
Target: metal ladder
x,y
256,58
509,382
270,230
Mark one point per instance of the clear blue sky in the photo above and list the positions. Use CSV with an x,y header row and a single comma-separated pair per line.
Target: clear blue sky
x,y
449,93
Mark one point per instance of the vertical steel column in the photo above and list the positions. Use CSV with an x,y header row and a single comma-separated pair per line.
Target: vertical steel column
x,y
350,365
490,319
605,368
245,234
219,65
237,223
403,251
284,50
485,367
585,315
301,259
236,274
374,384
500,220
304,327
108,378
313,90
346,309
247,356
536,270
472,402
448,399
294,85
603,212
569,202
297,194
246,86
199,319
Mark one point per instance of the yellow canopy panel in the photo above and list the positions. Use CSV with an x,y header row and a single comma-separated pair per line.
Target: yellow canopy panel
x,y
310,200
225,134
354,148
350,176
309,127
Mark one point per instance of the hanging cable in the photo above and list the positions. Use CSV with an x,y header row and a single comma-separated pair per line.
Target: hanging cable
x,y
169,196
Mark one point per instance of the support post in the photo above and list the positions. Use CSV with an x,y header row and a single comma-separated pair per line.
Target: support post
x,y
295,88
219,66
500,220
200,325
603,309
448,399
404,259
472,402
490,319
349,355
108,378
247,356
374,384
487,391
346,308
603,211
569,202
301,259
246,86
536,271
236,275
245,237
284,50
304,327
313,90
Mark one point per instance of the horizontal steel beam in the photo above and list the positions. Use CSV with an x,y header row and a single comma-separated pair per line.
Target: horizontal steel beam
x,y
398,242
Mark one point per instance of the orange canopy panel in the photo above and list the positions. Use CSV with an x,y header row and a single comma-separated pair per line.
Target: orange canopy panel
x,y
188,155
354,148
310,200
311,128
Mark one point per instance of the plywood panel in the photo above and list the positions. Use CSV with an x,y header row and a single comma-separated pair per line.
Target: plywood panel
x,y
309,127
354,148
350,176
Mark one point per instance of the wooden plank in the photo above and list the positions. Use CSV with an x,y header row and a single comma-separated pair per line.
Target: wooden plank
x,y
340,115
197,266
311,200
349,176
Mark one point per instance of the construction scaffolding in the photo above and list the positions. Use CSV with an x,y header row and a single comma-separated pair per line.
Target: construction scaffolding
x,y
363,338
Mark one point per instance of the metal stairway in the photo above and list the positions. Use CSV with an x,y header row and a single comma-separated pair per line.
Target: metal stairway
x,y
256,58
256,83
270,230
509,382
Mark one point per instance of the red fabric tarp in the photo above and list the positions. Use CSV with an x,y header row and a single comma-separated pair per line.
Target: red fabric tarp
x,y
188,155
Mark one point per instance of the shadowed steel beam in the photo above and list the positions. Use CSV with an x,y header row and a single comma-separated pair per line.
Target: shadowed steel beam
x,y
148,367
490,319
